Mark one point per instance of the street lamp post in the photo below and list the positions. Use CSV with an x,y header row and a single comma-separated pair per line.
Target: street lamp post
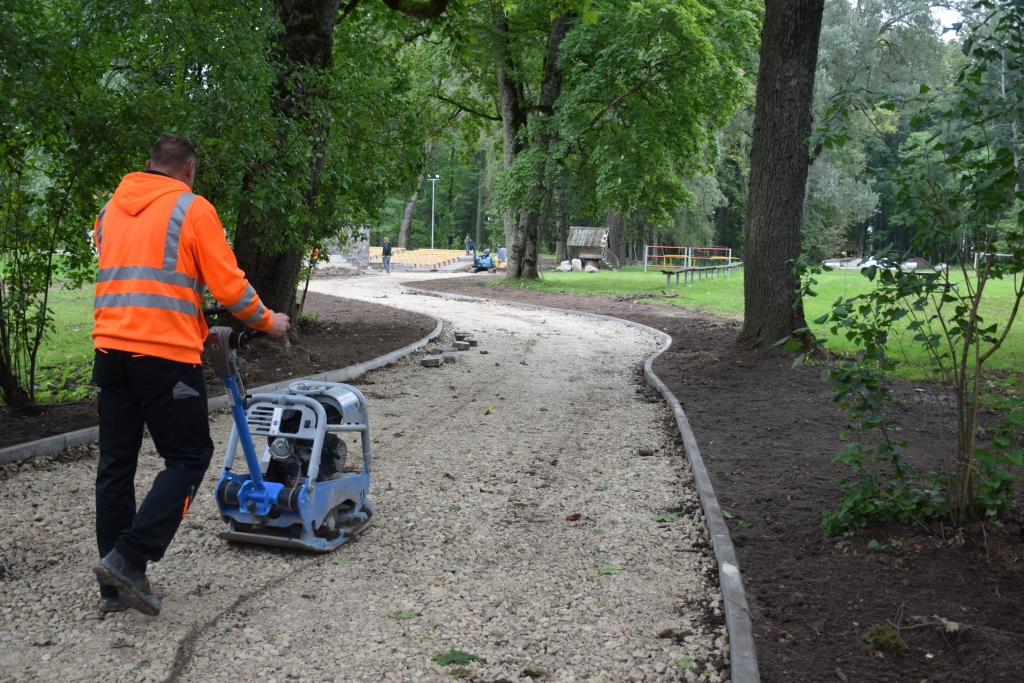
x,y
433,185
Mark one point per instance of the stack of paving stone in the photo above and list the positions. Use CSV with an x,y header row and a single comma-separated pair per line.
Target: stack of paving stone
x,y
439,355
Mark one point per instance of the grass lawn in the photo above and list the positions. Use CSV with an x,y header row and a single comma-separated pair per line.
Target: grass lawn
x,y
64,363
724,296
68,348
72,316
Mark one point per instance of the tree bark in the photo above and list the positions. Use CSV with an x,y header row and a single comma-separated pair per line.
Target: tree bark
x,y
410,206
305,44
482,156
512,119
561,226
14,396
615,223
779,160
522,229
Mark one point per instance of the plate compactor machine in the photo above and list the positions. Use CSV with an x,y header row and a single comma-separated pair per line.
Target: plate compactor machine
x,y
295,494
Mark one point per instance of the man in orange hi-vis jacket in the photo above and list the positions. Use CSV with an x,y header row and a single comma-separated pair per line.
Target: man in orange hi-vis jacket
x,y
160,246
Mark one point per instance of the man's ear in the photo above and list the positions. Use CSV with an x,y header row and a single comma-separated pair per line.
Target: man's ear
x,y
149,165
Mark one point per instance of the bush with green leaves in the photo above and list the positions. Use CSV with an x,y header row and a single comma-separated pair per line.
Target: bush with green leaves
x,y
959,188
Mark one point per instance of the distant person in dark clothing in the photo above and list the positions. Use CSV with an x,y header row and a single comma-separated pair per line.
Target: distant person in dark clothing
x,y
470,245
386,255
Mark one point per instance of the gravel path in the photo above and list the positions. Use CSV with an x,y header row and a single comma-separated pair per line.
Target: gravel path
x,y
524,537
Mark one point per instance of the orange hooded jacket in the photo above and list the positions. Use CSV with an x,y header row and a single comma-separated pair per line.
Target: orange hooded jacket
x,y
159,247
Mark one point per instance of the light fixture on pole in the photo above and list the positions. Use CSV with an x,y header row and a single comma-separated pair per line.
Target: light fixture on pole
x,y
433,185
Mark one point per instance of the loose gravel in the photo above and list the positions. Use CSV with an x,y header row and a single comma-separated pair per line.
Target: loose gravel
x,y
517,522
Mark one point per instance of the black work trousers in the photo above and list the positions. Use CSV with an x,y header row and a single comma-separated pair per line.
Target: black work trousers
x,y
169,398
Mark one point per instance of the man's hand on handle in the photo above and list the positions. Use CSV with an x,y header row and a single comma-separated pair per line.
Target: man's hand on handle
x,y
281,324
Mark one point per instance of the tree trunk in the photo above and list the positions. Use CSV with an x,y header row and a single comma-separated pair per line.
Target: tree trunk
x,y
522,231
305,45
561,226
512,119
480,199
14,396
615,223
779,159
410,206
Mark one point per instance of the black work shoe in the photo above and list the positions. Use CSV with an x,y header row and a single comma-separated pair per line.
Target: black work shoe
x,y
107,605
131,584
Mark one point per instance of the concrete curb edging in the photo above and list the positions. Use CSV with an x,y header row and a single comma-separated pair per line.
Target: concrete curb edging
x,y
55,444
742,652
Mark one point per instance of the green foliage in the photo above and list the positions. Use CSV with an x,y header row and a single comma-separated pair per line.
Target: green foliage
x,y
835,201
58,101
457,657
884,638
87,87
643,87
959,189
631,111
889,44
670,517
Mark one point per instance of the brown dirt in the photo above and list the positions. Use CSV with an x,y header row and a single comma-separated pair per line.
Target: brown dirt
x,y
768,433
342,333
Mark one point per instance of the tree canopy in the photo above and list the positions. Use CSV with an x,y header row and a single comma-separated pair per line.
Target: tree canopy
x,y
312,119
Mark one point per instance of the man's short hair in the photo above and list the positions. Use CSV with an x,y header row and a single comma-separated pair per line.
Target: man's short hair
x,y
172,152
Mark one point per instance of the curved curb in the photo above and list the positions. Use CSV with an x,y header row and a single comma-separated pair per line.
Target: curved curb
x,y
742,652
52,445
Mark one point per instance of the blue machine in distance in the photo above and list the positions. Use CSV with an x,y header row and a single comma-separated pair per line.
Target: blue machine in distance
x,y
295,493
483,262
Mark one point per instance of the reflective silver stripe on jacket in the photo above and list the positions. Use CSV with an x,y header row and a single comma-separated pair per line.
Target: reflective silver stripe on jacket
x,y
245,302
257,316
174,230
139,300
147,273
99,226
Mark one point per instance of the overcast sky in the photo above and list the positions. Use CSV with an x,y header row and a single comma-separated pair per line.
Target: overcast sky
x,y
948,17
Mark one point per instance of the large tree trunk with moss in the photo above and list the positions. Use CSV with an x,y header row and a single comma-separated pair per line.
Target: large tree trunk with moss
x,y
779,160
305,46
522,228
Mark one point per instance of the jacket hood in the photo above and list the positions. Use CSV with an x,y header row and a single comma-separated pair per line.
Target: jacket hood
x,y
139,190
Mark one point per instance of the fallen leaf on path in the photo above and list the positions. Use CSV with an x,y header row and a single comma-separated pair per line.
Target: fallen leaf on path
x,y
573,517
458,657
